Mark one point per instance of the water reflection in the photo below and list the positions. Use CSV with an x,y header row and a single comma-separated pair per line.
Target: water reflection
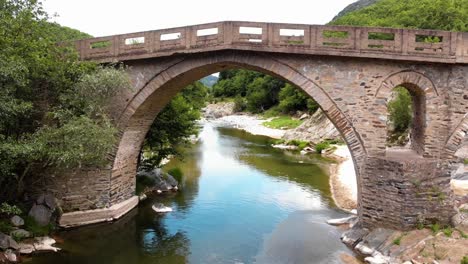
x,y
242,202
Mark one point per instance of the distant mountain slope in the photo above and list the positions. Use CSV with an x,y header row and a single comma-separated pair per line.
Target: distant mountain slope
x,y
209,80
422,14
355,6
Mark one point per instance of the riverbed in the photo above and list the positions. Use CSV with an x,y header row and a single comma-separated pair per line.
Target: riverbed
x,y
242,201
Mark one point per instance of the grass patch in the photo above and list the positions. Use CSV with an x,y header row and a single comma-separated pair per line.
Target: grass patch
x,y
435,228
397,241
465,161
272,112
5,226
283,122
300,144
37,230
448,231
464,260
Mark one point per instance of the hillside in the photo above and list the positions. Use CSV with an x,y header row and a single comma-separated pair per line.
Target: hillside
x,y
209,80
360,4
422,14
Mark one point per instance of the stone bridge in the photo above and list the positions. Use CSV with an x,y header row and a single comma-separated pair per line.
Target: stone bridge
x,y
349,71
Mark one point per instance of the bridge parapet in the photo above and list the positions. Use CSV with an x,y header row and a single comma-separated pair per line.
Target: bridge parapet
x,y
382,43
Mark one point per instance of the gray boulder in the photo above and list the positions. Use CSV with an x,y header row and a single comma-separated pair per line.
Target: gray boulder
x,y
17,221
41,214
7,242
171,181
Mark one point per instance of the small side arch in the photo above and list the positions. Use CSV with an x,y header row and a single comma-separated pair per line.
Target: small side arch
x,y
422,91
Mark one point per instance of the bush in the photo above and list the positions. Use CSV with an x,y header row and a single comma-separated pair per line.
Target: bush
x,y
464,260
300,144
7,209
5,226
435,228
176,173
37,230
239,104
321,146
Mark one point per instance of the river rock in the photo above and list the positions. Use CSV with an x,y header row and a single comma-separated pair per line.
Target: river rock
x,y
45,244
161,208
341,221
26,248
10,255
304,116
7,242
20,233
41,214
17,221
171,181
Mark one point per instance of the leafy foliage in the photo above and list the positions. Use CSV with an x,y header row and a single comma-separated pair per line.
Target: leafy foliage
x,y
7,209
283,122
400,110
261,92
173,126
422,14
51,104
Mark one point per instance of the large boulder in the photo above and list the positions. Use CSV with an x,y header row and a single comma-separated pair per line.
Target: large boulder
x,y
41,214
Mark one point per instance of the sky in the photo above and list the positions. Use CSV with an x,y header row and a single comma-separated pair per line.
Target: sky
x,y
110,17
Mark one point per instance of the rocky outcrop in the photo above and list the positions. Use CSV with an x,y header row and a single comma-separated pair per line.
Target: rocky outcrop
x,y
157,181
314,129
218,110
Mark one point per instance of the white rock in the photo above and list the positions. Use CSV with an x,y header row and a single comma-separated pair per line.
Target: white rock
x,y
10,255
17,221
341,221
376,260
159,191
26,248
45,244
160,208
142,197
365,250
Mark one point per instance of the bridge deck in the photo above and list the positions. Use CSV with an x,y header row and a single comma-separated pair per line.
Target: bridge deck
x,y
367,42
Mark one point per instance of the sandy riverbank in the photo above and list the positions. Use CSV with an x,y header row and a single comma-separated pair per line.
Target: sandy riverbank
x,y
343,183
342,175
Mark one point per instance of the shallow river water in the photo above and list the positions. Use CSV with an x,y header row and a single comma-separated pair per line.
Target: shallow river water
x,y
242,202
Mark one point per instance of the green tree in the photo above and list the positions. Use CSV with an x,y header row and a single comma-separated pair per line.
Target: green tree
x,y
292,99
171,130
423,14
51,112
400,110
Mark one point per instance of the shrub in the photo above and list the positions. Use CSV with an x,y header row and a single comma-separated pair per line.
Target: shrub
x,y
176,173
435,228
37,230
322,146
464,260
7,209
448,231
239,104
5,226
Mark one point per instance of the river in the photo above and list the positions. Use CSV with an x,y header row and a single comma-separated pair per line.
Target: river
x,y
242,202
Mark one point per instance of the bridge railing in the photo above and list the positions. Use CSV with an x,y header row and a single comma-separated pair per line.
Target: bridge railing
x,y
276,37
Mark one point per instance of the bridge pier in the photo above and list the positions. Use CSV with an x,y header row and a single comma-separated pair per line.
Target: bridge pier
x,y
401,192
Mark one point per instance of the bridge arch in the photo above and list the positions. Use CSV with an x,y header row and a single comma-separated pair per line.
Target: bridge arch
x,y
422,91
142,109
